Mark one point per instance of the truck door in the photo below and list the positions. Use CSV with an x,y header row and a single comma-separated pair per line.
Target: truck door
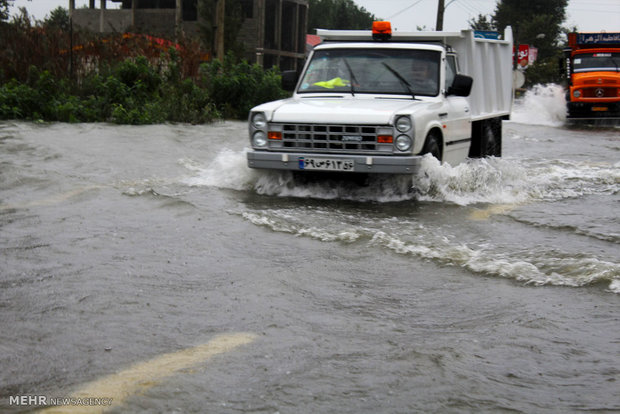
x,y
456,119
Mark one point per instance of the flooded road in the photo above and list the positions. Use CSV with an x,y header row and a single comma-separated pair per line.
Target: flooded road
x,y
150,266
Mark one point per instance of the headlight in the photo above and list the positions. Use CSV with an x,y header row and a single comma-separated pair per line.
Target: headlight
x,y
577,93
259,139
403,143
403,124
258,120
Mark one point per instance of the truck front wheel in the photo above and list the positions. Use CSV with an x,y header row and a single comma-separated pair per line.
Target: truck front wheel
x,y
432,145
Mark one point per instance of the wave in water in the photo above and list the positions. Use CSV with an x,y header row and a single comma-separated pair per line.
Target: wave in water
x,y
411,238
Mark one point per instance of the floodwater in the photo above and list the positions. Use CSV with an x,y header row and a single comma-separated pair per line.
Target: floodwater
x,y
491,286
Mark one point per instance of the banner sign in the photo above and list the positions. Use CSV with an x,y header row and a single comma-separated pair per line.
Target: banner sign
x,y
532,55
523,58
597,38
486,34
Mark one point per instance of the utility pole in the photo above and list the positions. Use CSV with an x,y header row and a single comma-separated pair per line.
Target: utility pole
x,y
220,15
440,9
178,17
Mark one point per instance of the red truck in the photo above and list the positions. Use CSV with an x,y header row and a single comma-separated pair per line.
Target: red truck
x,y
592,66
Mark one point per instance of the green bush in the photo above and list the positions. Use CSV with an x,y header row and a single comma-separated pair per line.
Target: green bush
x,y
237,87
136,92
186,102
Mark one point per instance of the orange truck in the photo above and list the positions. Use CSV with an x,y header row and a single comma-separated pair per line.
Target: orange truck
x,y
592,67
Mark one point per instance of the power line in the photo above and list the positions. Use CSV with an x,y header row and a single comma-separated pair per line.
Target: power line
x,y
595,11
474,6
404,10
467,7
596,3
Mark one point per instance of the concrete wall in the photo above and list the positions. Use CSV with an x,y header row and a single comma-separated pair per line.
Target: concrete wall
x,y
113,20
87,18
159,22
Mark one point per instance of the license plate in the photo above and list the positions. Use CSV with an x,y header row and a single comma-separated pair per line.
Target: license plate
x,y
325,164
599,108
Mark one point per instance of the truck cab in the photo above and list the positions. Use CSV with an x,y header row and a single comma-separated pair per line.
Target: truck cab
x,y
370,102
593,74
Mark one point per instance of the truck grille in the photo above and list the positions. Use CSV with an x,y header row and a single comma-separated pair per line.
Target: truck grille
x,y
600,93
335,138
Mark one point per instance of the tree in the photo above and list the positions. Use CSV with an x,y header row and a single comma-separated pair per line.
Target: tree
x,y
534,22
338,14
4,9
482,22
58,19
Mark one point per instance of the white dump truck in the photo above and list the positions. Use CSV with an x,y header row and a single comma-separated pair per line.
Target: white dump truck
x,y
377,101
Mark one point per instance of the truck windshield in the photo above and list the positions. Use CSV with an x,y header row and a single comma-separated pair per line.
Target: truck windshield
x,y
590,62
373,71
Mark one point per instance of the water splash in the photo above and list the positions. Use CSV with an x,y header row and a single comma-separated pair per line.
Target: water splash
x,y
491,180
541,105
228,170
511,181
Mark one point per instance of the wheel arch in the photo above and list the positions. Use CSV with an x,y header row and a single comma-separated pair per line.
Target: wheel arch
x,y
434,131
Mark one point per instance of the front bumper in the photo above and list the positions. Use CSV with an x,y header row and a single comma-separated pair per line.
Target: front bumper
x,y
593,111
369,164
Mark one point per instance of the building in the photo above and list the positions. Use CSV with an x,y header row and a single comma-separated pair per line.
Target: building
x,y
273,31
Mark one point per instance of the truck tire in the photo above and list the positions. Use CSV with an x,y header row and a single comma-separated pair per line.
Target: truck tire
x,y
432,145
491,143
486,138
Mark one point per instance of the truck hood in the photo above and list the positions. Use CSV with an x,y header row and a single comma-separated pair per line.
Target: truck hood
x,y
598,78
341,110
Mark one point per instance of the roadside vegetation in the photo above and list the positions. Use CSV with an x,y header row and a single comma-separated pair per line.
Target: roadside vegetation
x,y
535,23
135,91
51,72
47,74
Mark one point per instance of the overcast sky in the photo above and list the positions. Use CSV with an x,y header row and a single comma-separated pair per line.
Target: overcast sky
x,y
406,15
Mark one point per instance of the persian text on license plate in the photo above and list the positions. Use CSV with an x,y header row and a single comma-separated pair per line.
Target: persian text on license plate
x,y
325,164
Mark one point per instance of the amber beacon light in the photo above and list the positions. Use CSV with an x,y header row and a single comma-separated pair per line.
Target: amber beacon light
x,y
381,31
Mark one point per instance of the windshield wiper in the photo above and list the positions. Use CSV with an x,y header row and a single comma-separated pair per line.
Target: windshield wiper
x,y
401,79
346,62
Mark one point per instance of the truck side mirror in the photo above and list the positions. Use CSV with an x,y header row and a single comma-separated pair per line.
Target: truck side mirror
x,y
461,86
289,80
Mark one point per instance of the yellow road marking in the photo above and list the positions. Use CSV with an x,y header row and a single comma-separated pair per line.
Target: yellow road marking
x,y
141,376
55,199
484,214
